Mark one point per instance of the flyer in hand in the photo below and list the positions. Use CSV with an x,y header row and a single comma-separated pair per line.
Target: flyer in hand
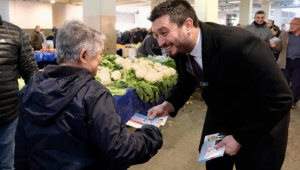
x,y
275,40
138,120
208,150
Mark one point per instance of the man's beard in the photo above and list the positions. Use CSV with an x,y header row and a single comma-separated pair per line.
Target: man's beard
x,y
182,45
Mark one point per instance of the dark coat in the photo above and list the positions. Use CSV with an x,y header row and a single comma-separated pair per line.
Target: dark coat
x,y
36,40
247,95
68,120
16,57
125,38
149,46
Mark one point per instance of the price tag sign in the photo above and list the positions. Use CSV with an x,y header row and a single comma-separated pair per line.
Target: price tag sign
x,y
132,53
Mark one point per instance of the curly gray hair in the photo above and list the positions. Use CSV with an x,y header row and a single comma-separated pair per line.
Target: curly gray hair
x,y
72,37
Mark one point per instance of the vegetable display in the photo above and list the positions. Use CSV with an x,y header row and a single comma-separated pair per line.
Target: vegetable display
x,y
148,78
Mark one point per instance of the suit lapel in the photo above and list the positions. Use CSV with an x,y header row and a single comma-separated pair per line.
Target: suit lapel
x,y
209,47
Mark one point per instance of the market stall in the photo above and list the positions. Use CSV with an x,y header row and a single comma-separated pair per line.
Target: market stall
x,y
129,103
45,58
137,85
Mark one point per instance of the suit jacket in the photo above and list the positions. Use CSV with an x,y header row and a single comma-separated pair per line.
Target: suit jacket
x,y
281,47
246,95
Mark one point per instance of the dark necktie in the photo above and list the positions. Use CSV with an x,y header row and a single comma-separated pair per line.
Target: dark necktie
x,y
196,68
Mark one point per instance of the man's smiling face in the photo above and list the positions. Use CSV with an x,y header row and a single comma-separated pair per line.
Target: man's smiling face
x,y
175,40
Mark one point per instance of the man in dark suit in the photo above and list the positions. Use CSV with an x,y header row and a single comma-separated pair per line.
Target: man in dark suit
x,y
246,94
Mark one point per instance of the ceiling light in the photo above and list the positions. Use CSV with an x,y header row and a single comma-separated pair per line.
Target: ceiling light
x,y
52,1
297,2
233,2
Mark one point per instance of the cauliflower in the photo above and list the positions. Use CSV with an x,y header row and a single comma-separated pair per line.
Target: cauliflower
x,y
141,73
136,60
157,66
166,73
146,62
116,75
120,60
153,77
105,78
152,71
127,60
172,71
127,66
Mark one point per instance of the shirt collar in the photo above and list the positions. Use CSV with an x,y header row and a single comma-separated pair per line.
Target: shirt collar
x,y
197,51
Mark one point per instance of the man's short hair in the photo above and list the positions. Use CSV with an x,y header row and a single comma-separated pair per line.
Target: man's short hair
x,y
260,12
275,28
178,11
271,21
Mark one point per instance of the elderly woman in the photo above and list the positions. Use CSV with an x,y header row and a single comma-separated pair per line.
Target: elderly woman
x,y
68,120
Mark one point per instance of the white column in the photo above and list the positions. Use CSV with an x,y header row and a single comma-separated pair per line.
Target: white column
x,y
101,15
59,14
4,10
278,16
245,12
212,10
206,10
200,9
266,6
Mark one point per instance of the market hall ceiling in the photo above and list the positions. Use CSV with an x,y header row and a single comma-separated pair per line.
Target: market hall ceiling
x,y
134,5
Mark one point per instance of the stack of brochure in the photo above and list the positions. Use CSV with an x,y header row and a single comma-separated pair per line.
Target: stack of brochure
x,y
138,120
208,150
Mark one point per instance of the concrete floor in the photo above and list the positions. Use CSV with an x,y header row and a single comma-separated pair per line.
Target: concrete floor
x,y
181,139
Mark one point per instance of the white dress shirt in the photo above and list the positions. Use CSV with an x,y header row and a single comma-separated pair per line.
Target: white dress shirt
x,y
197,51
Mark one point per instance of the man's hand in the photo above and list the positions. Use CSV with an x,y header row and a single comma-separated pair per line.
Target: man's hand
x,y
231,145
273,45
160,110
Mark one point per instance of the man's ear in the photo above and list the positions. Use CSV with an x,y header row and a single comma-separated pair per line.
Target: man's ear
x,y
83,56
189,25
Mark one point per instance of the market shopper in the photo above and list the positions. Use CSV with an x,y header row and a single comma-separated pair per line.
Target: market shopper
x,y
289,57
259,27
16,58
245,91
149,46
36,38
68,120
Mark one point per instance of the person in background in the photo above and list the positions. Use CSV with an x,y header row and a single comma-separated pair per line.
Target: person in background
x,y
276,32
44,44
246,94
36,38
137,36
270,24
68,120
54,31
125,39
43,35
149,46
289,57
118,36
16,58
259,27
144,33
50,37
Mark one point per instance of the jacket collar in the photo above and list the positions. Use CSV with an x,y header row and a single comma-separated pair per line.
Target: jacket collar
x,y
57,71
